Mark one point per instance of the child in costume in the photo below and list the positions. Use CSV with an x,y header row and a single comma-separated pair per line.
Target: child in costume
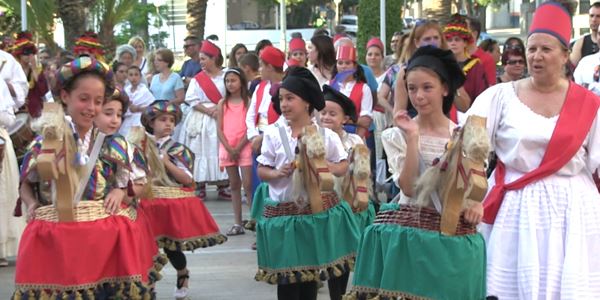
x,y
179,219
235,153
296,246
403,254
87,244
350,79
297,54
139,97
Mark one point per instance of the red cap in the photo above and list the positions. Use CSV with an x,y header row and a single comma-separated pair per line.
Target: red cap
x,y
338,36
375,42
346,53
272,56
210,49
297,44
552,18
293,63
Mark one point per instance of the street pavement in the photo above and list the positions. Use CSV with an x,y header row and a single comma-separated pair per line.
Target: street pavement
x,y
222,272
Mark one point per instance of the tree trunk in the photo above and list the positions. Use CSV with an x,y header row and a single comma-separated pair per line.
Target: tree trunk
x,y
73,16
196,16
441,11
143,30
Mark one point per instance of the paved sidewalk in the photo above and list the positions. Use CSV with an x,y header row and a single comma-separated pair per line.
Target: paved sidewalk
x,y
221,272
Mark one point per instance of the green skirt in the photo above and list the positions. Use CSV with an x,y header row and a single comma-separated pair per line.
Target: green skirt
x,y
401,261
365,217
310,247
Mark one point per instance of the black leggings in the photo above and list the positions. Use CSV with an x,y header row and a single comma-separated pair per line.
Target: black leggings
x,y
337,286
177,259
297,291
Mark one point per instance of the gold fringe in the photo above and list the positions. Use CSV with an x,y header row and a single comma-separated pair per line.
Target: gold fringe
x,y
365,293
193,243
320,273
250,225
134,290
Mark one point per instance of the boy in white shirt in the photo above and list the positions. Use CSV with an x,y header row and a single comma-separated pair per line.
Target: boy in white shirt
x,y
139,98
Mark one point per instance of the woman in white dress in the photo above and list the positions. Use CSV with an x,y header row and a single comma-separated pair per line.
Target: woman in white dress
x,y
200,125
542,212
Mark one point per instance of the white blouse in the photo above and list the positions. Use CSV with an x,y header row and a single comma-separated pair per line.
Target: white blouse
x,y
273,155
195,94
521,135
349,140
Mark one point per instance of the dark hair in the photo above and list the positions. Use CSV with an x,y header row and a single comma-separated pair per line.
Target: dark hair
x,y
513,38
244,85
488,45
297,35
447,101
122,98
568,5
134,67
213,37
475,25
166,55
251,60
192,38
116,65
261,44
47,50
320,31
326,53
359,74
512,52
69,85
232,61
595,4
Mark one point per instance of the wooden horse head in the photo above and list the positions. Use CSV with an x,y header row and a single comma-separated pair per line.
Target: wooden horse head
x,y
56,158
158,174
459,175
356,186
312,175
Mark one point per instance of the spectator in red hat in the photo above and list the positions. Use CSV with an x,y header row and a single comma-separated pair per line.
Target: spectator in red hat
x,y
297,52
374,59
350,80
199,128
261,112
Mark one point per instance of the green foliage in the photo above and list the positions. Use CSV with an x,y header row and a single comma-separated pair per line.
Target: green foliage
x,y
368,22
40,17
143,16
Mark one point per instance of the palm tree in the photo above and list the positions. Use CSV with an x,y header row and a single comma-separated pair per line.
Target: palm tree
x,y
441,10
74,16
110,13
196,16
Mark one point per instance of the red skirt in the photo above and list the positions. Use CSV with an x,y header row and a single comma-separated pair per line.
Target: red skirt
x,y
179,219
95,257
154,261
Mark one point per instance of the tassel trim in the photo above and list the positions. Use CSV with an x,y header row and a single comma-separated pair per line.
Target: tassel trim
x,y
307,274
250,225
160,260
192,243
364,293
132,289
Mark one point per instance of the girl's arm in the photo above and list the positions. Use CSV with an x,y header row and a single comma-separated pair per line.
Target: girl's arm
x,y
382,96
179,96
180,175
27,196
410,170
220,133
266,173
401,96
362,125
338,169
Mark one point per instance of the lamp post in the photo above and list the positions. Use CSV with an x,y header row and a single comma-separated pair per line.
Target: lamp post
x,y
23,15
337,11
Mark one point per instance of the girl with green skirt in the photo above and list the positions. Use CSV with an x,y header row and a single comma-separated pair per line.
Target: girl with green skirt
x,y
296,247
403,254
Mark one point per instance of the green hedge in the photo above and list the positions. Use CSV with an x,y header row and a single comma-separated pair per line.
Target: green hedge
x,y
368,23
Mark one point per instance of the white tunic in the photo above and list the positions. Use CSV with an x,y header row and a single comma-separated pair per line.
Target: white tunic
x,y
253,129
10,227
273,155
140,97
366,104
545,241
199,133
349,140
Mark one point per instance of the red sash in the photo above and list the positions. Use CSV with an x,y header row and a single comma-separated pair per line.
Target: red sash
x,y
272,115
574,122
209,87
356,96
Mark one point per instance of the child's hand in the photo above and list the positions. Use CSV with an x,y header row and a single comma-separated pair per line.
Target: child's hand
x,y
403,121
474,212
256,144
285,170
113,200
31,212
234,154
